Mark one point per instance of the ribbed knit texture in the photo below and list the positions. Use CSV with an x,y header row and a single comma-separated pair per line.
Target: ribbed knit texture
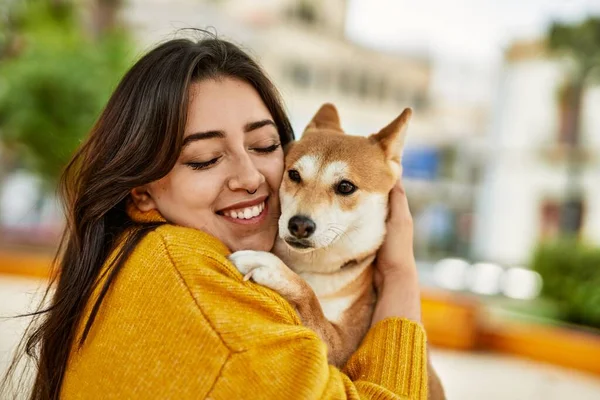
x,y
180,323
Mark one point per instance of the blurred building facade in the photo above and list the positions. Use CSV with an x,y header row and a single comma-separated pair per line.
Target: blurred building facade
x,y
302,46
525,178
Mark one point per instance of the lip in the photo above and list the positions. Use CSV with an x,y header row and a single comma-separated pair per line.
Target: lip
x,y
244,204
298,244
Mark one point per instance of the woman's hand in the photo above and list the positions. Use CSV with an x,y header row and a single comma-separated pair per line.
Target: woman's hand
x,y
396,277
395,258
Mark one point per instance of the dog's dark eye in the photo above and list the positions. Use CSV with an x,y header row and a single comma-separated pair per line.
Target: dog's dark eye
x,y
294,175
345,188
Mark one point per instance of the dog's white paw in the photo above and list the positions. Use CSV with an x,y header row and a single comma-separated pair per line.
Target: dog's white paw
x,y
248,260
266,269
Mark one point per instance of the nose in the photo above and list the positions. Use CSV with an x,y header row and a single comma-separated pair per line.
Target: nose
x,y
245,175
301,226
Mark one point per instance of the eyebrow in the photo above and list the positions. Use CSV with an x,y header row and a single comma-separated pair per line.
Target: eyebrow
x,y
249,127
252,126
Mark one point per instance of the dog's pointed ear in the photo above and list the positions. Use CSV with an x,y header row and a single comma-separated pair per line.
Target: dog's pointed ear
x,y
391,138
326,118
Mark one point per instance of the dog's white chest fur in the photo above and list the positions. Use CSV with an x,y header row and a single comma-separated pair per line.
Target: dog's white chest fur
x,y
326,286
334,308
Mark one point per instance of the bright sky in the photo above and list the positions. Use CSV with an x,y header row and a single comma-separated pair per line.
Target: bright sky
x,y
473,30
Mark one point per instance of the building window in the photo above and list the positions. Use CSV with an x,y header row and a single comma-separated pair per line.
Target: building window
x,y
419,101
300,75
382,90
363,86
568,102
556,216
346,82
571,215
549,219
305,12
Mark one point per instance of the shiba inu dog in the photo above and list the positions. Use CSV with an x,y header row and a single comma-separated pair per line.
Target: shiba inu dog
x,y
334,202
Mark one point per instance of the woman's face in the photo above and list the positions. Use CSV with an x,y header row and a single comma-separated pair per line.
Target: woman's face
x,y
227,177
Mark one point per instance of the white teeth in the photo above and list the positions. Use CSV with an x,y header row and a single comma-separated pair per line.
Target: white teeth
x,y
246,213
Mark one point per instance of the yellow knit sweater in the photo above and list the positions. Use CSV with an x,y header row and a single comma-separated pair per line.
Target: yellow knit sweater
x,y
180,323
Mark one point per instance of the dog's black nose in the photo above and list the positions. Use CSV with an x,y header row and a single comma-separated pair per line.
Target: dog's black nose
x,y
301,226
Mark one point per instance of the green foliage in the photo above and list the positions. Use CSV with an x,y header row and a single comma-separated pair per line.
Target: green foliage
x,y
580,42
53,90
571,274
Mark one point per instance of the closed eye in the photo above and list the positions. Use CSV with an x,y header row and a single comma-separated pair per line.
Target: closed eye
x,y
203,165
269,149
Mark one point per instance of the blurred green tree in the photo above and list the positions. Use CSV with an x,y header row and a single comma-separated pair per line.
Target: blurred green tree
x,y
55,77
579,44
571,274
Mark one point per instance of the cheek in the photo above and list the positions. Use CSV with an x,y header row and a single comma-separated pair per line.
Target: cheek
x,y
182,192
348,203
272,170
162,190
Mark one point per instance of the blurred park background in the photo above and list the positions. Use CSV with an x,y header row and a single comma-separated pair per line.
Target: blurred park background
x,y
502,163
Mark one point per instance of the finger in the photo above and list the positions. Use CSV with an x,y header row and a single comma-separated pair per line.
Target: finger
x,y
399,186
377,278
399,209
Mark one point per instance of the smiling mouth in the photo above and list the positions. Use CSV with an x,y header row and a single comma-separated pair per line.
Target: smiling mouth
x,y
245,213
298,244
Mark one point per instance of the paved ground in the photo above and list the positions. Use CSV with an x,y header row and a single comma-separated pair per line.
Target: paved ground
x,y
469,376
466,376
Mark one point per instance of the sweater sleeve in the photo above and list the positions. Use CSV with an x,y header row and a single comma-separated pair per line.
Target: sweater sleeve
x,y
390,364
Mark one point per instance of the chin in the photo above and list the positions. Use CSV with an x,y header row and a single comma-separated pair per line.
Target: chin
x,y
263,242
304,246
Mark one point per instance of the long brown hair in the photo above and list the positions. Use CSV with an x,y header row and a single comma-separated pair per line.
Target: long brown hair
x,y
136,140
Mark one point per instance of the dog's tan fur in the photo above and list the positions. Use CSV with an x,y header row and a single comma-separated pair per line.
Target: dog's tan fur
x,y
331,283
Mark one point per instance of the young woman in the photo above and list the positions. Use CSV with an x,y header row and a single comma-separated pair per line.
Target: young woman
x,y
145,302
